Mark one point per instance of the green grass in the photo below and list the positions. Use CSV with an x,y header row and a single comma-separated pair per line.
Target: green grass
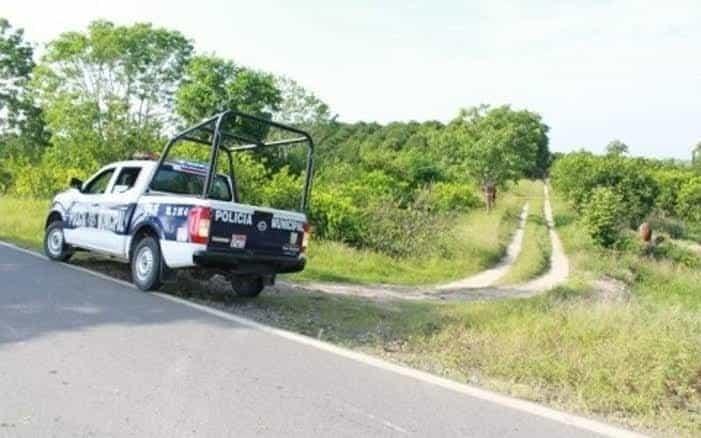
x,y
22,221
534,258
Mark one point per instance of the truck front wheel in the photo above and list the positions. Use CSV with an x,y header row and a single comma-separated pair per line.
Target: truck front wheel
x,y
247,286
146,264
55,246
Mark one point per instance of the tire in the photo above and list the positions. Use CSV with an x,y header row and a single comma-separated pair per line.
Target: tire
x,y
146,263
248,286
55,246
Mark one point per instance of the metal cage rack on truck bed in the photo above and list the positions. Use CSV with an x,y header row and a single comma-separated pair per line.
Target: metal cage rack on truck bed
x,y
222,128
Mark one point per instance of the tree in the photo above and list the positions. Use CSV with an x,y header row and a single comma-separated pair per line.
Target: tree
x,y
21,125
299,106
213,84
107,92
494,146
617,147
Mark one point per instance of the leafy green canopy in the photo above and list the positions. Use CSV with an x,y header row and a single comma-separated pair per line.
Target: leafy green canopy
x,y
16,63
21,125
213,84
496,145
107,92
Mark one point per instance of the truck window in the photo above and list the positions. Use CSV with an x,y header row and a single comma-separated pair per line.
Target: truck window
x,y
99,184
126,179
186,183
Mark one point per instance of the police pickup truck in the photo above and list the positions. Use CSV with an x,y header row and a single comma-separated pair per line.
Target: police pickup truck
x,y
162,215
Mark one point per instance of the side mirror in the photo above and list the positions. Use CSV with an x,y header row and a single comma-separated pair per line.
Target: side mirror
x,y
76,184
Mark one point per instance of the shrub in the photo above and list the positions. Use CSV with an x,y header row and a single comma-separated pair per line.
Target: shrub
x,y
677,254
336,216
660,221
402,232
579,174
689,200
282,190
602,216
40,180
445,197
670,182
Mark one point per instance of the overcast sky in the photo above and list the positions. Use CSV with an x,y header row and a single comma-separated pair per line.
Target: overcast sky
x,y
596,70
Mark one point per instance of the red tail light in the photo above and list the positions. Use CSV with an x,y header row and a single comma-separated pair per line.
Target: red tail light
x,y
305,238
198,222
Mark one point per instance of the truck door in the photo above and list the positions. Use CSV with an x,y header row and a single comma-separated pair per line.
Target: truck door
x,y
117,207
83,216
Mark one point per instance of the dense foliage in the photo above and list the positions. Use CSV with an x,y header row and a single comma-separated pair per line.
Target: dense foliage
x,y
655,191
602,215
112,90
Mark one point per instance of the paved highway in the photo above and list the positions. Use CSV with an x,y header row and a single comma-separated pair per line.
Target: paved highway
x,y
85,356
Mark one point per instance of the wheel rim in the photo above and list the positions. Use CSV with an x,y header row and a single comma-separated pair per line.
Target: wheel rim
x,y
144,264
55,242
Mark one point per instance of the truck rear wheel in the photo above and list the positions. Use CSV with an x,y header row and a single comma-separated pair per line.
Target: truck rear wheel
x,y
146,264
55,246
247,286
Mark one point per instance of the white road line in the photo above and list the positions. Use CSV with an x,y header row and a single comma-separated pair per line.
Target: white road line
x,y
478,393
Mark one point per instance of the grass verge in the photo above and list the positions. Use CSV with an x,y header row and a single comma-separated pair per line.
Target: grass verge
x,y
22,221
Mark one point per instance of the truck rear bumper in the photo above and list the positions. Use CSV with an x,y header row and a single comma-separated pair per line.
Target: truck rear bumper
x,y
246,263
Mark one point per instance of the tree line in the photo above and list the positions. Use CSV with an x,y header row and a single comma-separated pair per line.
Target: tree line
x,y
616,192
101,94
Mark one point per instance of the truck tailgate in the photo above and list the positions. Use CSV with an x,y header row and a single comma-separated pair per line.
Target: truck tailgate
x,y
253,231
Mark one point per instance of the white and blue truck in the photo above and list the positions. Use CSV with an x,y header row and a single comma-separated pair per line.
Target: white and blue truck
x,y
168,214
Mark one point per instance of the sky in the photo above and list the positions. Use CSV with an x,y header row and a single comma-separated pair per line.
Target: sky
x,y
595,70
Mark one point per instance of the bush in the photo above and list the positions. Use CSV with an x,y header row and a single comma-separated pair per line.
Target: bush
x,y
445,197
689,200
282,190
335,216
660,221
579,174
402,232
378,223
670,182
677,254
602,216
39,180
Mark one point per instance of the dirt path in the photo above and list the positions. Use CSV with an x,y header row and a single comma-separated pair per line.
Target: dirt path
x,y
492,275
476,287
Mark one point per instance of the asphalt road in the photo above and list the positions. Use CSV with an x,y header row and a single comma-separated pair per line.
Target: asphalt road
x,y
84,356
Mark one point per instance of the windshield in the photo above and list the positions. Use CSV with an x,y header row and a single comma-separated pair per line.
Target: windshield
x,y
170,180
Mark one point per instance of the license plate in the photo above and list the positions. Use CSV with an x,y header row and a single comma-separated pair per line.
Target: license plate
x,y
238,241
